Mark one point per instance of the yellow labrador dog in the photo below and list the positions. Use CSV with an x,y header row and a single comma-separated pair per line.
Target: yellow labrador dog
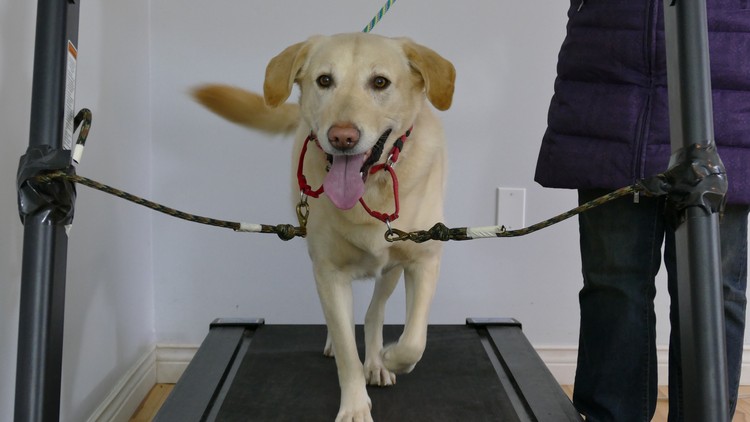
x,y
362,105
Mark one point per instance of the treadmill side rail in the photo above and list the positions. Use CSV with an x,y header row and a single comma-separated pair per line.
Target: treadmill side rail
x,y
535,393
210,372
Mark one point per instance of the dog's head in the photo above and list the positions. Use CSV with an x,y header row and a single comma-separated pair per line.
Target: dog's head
x,y
359,93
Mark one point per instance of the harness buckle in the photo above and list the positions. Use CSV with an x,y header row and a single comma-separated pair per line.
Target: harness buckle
x,y
389,161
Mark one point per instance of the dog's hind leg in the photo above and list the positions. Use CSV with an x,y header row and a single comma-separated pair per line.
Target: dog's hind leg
x,y
375,371
420,281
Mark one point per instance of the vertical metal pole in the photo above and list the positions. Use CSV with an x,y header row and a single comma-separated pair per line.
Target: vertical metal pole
x,y
40,337
703,346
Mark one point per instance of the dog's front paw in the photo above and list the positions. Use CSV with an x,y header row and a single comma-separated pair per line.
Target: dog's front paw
x,y
355,407
377,374
401,359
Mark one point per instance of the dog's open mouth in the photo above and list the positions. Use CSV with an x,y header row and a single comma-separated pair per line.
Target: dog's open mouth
x,y
345,182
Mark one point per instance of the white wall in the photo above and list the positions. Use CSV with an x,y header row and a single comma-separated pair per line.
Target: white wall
x,y
16,57
109,299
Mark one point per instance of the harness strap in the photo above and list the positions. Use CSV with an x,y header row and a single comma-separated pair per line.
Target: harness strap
x,y
386,218
307,190
304,187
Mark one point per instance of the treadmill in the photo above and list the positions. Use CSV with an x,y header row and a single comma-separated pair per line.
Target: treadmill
x,y
484,370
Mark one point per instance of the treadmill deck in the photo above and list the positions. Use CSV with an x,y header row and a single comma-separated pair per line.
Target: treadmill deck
x,y
483,371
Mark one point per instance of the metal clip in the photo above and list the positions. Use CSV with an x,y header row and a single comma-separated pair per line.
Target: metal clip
x,y
303,210
393,235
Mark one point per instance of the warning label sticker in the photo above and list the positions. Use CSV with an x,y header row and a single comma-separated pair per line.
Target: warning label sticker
x,y
70,94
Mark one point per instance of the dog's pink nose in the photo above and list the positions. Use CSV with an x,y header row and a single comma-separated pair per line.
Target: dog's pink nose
x,y
343,136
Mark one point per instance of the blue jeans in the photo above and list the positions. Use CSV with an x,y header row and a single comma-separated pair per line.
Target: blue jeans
x,y
621,249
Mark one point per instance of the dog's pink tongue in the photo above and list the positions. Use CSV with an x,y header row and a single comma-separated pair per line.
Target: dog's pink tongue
x,y
343,184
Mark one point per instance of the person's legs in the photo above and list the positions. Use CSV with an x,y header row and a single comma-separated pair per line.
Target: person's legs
x,y
675,369
616,378
733,237
734,272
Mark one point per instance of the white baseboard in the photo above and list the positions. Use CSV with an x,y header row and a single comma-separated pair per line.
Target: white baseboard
x,y
128,393
163,364
561,361
166,363
172,360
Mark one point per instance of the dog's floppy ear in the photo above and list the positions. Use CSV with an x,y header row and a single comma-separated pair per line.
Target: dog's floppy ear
x,y
438,74
281,73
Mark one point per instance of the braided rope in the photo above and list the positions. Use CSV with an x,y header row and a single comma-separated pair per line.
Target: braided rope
x,y
440,232
476,233
379,15
287,231
284,231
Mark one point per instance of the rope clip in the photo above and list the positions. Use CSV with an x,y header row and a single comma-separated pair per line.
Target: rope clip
x,y
303,210
388,224
396,235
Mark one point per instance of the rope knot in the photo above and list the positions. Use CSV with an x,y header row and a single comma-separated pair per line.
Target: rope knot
x,y
286,231
440,232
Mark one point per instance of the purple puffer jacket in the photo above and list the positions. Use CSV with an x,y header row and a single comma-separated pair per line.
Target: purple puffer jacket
x,y
608,123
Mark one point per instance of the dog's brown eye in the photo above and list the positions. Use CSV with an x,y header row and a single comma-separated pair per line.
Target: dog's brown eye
x,y
380,83
325,81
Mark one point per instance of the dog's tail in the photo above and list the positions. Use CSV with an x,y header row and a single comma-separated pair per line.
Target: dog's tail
x,y
248,108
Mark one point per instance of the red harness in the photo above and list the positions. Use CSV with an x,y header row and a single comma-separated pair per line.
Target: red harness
x,y
306,189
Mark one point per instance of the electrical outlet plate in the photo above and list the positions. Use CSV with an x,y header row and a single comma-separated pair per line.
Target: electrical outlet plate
x,y
511,208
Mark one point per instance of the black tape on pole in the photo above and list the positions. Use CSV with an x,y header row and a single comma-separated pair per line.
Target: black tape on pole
x,y
54,200
696,178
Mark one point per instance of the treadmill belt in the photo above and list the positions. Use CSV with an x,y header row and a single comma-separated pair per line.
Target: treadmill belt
x,y
285,377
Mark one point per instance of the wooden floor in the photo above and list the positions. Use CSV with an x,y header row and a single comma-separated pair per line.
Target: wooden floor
x,y
154,400
742,414
151,404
